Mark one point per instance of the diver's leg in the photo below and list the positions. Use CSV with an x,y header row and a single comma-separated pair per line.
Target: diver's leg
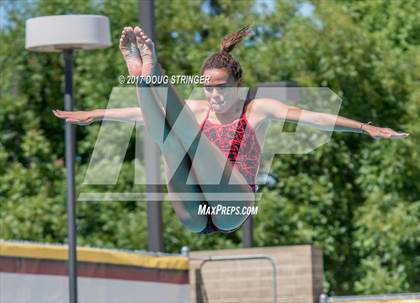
x,y
186,198
177,162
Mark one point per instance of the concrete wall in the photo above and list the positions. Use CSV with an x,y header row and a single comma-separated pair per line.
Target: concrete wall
x,y
299,276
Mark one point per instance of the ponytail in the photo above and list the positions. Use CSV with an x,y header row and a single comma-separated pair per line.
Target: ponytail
x,y
230,41
223,58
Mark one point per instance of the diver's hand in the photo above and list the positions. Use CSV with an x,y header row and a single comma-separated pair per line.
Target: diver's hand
x,y
77,117
382,132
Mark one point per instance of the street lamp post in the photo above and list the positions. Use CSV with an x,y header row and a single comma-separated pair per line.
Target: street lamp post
x,y
65,33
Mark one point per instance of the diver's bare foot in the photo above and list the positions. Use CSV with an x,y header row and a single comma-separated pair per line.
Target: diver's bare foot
x,y
147,51
130,52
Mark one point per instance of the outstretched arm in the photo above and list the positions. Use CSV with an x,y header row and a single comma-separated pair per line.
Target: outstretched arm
x,y
128,114
277,110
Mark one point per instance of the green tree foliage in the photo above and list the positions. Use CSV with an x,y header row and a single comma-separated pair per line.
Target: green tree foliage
x,y
356,198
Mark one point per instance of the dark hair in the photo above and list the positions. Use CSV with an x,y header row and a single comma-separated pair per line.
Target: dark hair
x,y
223,58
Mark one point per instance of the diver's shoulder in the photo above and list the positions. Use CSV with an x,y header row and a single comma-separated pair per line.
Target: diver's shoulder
x,y
257,105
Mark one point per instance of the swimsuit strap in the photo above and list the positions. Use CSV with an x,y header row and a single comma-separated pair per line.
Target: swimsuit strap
x,y
205,118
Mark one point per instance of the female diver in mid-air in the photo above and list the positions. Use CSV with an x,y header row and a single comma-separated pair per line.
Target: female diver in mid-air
x,y
234,130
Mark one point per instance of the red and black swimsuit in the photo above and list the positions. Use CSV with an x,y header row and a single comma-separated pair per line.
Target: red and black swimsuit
x,y
238,141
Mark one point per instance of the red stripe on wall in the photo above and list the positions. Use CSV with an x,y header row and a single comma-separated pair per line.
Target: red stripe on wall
x,y
93,270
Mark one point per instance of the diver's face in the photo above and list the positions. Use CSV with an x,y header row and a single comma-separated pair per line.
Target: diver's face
x,y
221,90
